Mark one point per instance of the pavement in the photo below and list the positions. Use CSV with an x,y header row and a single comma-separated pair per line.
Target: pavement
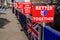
x,y
9,27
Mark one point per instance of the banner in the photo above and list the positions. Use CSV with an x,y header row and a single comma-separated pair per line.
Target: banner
x,y
43,13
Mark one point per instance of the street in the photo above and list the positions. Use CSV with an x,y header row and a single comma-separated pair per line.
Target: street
x,y
10,29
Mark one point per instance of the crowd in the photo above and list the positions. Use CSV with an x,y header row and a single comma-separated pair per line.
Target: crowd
x,y
4,4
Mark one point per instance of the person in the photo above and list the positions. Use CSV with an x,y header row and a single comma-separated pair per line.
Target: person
x,y
0,3
12,6
5,5
51,2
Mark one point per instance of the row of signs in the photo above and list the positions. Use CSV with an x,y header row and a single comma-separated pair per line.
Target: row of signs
x,y
26,7
39,13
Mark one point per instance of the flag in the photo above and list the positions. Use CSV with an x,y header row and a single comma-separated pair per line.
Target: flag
x,y
33,30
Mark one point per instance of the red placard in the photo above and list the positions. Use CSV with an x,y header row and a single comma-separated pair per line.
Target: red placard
x,y
19,5
43,14
27,8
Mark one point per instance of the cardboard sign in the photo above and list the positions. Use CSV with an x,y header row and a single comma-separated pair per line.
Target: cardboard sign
x,y
19,5
27,7
43,14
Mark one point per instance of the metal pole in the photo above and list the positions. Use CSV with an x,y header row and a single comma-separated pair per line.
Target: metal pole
x,y
43,31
